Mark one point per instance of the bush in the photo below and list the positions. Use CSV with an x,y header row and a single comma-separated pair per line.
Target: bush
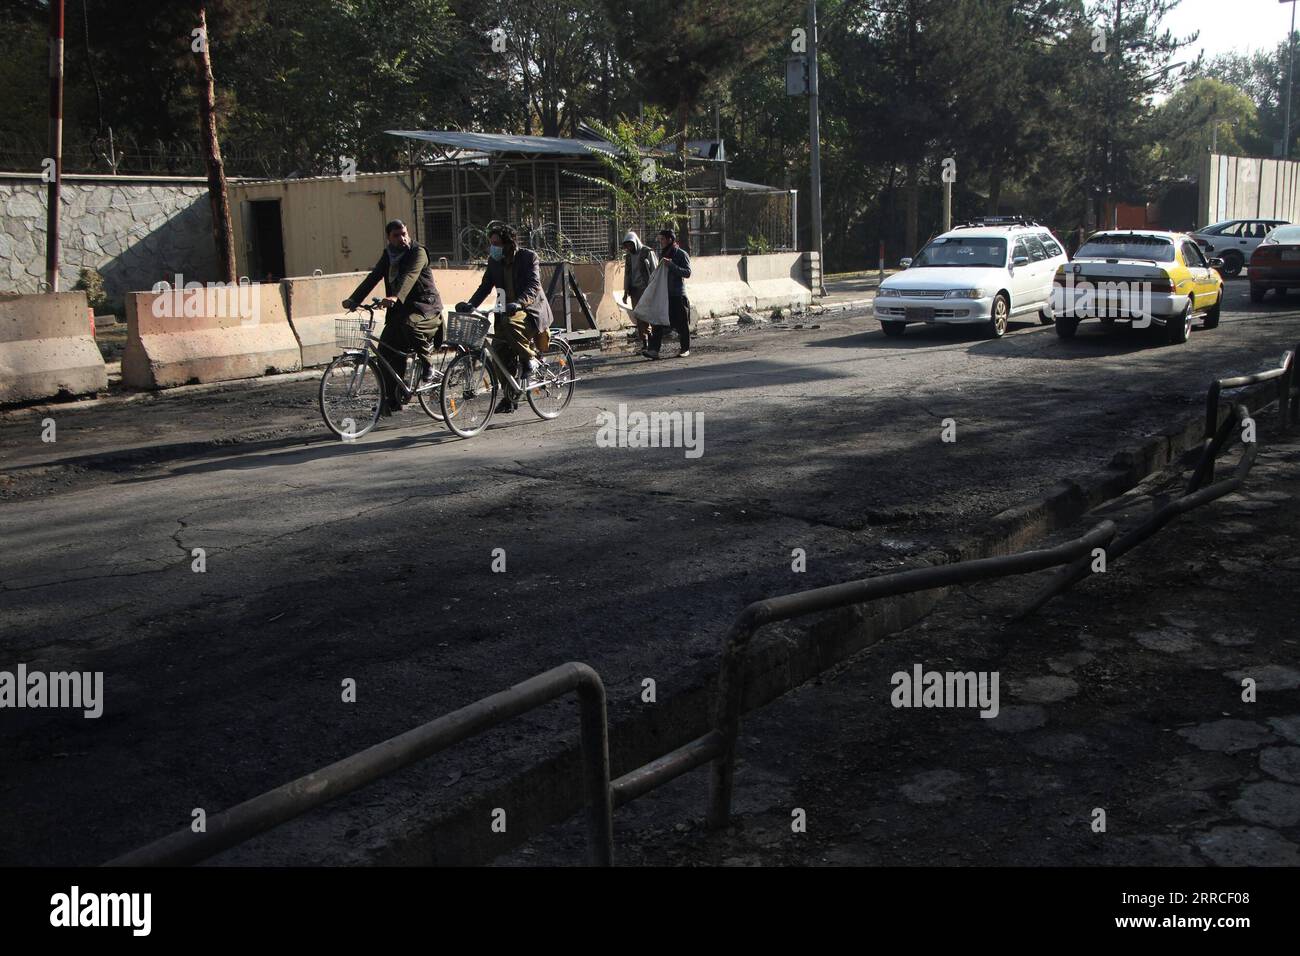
x,y
92,283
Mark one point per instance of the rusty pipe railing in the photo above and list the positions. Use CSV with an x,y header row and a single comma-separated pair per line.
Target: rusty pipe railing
x,y
262,813
729,701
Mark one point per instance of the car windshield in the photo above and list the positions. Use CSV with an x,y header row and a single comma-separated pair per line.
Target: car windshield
x,y
1288,234
980,251
1154,248
1217,228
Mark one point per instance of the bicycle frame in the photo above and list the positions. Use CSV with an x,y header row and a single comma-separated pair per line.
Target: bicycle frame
x,y
367,351
489,353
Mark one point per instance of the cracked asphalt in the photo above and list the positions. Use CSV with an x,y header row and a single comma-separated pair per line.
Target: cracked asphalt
x,y
372,560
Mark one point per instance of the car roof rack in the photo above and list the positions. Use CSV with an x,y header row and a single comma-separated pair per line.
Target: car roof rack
x,y
986,221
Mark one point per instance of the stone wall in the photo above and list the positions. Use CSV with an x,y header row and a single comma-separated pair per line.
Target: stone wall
x,y
134,230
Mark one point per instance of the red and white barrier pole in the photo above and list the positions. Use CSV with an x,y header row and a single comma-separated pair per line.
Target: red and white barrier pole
x,y
54,163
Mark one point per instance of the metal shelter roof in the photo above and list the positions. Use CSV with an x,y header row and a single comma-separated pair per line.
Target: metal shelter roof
x,y
498,143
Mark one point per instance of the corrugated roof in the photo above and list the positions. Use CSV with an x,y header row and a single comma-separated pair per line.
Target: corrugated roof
x,y
503,143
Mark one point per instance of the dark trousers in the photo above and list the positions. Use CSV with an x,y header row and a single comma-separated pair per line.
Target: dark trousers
x,y
679,316
401,337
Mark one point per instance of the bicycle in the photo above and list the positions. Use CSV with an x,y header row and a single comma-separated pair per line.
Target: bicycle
x,y
352,387
470,387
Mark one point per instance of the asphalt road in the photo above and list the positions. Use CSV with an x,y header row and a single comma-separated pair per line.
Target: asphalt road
x,y
372,561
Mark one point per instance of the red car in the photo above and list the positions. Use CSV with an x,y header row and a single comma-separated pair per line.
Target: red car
x,y
1275,263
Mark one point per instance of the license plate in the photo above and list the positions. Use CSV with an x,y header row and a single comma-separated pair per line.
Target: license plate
x,y
919,313
1291,255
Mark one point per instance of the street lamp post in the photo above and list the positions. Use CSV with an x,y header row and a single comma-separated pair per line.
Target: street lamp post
x,y
815,135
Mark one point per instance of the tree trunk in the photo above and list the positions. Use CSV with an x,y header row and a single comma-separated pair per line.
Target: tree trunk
x,y
218,199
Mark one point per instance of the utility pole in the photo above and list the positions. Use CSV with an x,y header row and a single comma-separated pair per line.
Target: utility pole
x,y
1290,74
54,162
814,129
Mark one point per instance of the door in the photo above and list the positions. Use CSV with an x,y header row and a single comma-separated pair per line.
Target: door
x,y
360,228
1042,269
266,261
1023,281
1205,281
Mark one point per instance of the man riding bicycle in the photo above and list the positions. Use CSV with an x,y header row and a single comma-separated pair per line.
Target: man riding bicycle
x,y
414,319
527,314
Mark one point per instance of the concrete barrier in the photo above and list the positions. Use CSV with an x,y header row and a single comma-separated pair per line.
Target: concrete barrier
x,y
46,348
207,335
717,287
777,280
602,284
312,303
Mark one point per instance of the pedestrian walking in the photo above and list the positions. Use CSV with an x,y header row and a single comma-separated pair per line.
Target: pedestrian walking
x,y
675,260
639,263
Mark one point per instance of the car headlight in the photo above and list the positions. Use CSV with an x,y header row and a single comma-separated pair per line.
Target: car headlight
x,y
964,294
889,293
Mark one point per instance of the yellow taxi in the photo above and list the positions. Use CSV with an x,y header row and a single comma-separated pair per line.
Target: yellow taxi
x,y
1138,276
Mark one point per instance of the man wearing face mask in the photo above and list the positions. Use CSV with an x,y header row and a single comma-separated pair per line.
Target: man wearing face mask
x,y
673,258
414,319
527,313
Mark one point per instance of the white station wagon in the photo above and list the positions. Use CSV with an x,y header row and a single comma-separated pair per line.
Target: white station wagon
x,y
982,273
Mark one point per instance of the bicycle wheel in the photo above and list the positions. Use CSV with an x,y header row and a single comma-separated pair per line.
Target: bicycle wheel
x,y
468,394
557,376
351,394
431,396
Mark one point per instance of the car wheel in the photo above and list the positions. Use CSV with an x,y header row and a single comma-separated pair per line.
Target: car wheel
x,y
1178,328
1066,326
894,328
998,315
1108,323
1212,313
1045,315
1232,263
1257,292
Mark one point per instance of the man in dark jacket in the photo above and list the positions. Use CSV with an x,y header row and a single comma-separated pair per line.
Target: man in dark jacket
x,y
673,258
527,313
414,317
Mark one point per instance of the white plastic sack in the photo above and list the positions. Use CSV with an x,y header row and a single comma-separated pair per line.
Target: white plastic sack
x,y
653,307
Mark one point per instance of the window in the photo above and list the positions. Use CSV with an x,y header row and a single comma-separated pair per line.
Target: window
x,y
1020,252
1257,230
1052,247
1192,256
1125,246
1036,251
1232,230
981,251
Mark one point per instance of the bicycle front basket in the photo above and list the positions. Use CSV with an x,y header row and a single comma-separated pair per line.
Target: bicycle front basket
x,y
350,331
466,330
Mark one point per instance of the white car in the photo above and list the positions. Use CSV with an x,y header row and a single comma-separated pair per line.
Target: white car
x,y
983,273
1233,240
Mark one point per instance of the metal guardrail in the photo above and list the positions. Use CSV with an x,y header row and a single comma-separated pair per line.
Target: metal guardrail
x,y
262,813
760,613
1287,405
275,807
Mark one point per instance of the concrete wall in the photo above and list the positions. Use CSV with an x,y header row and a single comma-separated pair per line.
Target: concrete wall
x,y
46,348
136,230
1241,187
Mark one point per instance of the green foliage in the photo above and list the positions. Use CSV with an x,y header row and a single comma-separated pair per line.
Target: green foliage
x,y
646,192
757,245
92,283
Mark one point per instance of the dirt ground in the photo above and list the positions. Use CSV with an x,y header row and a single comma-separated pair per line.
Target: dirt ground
x,y
1124,695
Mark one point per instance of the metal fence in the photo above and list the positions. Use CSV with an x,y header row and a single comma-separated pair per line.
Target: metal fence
x,y
278,806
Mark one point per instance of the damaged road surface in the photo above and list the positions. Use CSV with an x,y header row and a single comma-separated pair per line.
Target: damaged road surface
x,y
232,573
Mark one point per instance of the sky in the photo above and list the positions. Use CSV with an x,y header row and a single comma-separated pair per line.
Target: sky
x,y
1226,25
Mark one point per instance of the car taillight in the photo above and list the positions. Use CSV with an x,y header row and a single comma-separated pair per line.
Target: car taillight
x,y
1267,252
1162,285
1058,279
